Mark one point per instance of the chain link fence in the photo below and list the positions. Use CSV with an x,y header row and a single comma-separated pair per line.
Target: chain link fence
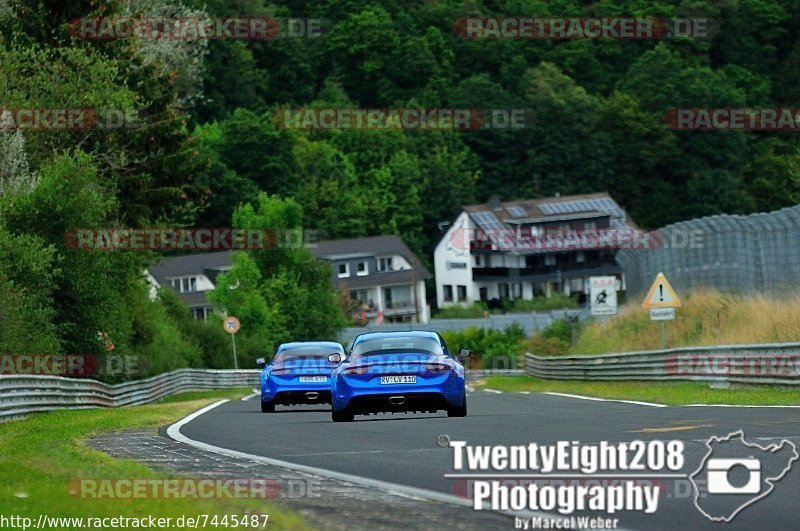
x,y
759,252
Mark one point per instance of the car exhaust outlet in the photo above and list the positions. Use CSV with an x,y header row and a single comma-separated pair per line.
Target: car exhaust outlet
x,y
312,396
397,400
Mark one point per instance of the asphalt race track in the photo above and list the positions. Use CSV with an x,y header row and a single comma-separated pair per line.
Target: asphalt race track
x,y
403,448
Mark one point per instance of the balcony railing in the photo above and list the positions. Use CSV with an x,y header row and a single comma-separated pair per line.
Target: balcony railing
x,y
399,307
526,272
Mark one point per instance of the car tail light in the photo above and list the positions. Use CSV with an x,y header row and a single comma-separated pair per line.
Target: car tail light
x,y
358,369
280,372
436,368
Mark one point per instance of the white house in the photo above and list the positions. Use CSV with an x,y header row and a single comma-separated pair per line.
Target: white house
x,y
379,272
382,274
521,249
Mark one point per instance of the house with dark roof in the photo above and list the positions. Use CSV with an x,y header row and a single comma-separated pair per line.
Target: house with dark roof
x,y
384,279
382,274
191,276
526,248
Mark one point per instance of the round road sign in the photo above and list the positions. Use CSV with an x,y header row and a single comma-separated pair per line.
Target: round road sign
x,y
232,325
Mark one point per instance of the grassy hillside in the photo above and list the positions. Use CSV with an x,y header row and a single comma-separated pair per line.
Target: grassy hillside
x,y
706,318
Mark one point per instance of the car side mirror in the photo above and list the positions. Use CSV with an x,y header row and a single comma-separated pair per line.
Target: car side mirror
x,y
335,358
463,353
261,362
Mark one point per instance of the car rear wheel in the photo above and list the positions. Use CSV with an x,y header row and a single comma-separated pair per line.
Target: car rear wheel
x,y
345,415
267,407
458,411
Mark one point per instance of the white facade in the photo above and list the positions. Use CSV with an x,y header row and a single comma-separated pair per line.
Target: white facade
x,y
464,276
453,264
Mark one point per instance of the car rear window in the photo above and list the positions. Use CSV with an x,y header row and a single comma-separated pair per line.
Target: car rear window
x,y
311,352
393,345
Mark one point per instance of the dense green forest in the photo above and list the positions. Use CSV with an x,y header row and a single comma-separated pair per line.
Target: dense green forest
x,y
209,153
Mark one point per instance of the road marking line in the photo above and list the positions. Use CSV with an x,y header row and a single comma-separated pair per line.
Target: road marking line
x,y
495,391
393,452
596,399
672,428
248,397
174,432
563,476
524,392
731,405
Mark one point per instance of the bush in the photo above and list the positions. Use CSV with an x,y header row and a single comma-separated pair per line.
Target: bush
x,y
553,340
559,329
476,309
489,348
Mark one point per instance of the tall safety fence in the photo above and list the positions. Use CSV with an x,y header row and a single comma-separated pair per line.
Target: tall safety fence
x,y
759,252
773,363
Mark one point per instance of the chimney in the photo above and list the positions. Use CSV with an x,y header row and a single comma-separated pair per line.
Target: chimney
x,y
558,194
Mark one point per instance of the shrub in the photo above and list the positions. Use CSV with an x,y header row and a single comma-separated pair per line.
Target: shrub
x,y
553,340
490,348
476,309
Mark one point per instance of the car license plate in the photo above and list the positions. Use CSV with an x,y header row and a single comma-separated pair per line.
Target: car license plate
x,y
398,379
313,379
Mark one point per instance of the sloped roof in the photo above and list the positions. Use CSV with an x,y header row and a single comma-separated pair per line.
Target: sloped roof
x,y
373,246
190,264
496,218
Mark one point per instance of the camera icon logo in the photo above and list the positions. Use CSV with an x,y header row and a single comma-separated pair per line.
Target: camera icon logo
x,y
719,480
736,473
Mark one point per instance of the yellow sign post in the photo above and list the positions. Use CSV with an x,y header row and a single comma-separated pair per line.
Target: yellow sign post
x,y
661,300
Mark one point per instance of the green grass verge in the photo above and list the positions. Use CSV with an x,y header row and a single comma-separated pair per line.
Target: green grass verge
x,y
40,455
673,393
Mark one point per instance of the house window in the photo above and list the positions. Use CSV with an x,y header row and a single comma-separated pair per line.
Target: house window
x,y
184,284
448,293
502,289
461,291
200,314
580,257
479,260
343,270
385,264
362,269
550,260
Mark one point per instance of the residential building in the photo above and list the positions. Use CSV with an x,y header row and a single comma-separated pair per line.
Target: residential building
x,y
527,248
191,276
379,272
382,274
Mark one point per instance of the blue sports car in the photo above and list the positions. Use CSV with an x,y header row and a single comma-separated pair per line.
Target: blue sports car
x,y
298,374
397,372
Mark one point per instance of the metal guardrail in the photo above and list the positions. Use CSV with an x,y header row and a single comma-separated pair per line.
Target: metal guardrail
x,y
21,395
772,363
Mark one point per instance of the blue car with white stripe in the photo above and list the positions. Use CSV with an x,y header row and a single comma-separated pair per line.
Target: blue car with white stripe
x,y
299,373
393,372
